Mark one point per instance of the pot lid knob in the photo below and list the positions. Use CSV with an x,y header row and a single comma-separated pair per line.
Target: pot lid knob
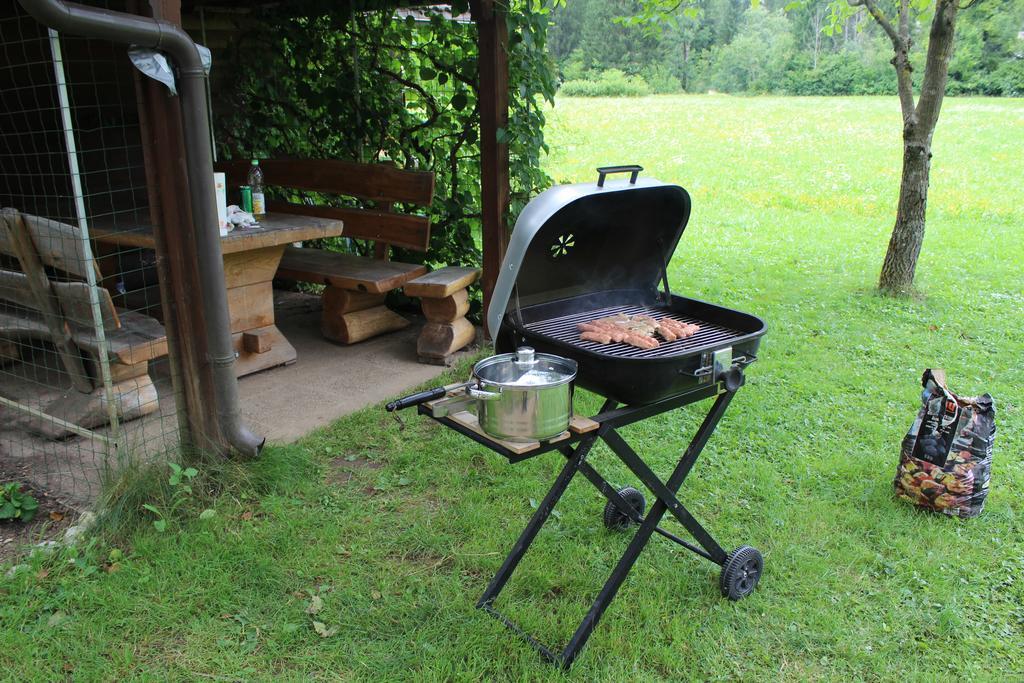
x,y
524,355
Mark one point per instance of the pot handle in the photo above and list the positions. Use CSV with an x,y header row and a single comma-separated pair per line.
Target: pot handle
x,y
415,399
632,169
482,395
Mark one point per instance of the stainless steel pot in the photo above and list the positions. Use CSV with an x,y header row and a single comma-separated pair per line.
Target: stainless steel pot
x,y
523,396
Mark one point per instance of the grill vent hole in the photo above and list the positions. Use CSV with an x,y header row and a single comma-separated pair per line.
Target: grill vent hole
x,y
562,245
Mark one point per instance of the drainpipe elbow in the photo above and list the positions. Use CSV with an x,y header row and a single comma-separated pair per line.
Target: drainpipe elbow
x,y
243,440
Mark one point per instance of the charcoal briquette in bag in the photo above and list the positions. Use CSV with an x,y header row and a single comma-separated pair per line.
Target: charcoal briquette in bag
x,y
946,458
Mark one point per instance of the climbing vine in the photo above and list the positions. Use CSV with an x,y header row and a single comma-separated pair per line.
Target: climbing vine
x,y
315,79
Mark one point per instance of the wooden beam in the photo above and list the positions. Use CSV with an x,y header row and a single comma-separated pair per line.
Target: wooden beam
x,y
163,149
495,191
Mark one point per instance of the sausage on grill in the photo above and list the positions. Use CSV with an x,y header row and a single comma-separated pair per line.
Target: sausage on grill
x,y
601,337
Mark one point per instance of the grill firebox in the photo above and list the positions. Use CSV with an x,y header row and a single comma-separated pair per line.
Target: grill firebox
x,y
625,373
563,329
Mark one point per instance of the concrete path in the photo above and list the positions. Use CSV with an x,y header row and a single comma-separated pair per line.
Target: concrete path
x,y
329,380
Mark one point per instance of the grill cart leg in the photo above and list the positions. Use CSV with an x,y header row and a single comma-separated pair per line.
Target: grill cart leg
x,y
536,522
741,569
666,501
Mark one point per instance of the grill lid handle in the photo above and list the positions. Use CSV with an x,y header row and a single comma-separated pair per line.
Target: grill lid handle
x,y
632,169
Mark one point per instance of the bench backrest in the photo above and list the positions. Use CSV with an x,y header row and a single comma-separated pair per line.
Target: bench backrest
x,y
381,184
52,270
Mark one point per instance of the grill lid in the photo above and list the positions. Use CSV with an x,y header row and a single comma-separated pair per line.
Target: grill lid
x,y
590,237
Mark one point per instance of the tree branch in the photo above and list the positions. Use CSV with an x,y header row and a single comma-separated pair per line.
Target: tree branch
x,y
900,38
936,66
882,20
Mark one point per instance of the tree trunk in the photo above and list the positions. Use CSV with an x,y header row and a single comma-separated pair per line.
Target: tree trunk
x,y
908,233
919,122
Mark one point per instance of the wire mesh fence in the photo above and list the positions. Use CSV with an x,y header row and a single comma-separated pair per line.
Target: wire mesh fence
x,y
85,382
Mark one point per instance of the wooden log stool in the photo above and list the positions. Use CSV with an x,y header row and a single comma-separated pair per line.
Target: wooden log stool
x,y
445,302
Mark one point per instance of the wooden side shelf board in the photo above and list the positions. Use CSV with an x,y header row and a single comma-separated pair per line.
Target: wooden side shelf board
x,y
581,425
470,421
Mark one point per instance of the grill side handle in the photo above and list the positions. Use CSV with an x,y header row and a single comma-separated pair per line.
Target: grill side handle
x,y
721,365
415,399
632,169
432,395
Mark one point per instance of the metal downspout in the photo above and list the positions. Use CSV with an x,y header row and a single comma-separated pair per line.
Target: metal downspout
x,y
126,28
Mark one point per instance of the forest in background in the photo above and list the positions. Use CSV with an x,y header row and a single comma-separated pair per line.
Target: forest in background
x,y
775,46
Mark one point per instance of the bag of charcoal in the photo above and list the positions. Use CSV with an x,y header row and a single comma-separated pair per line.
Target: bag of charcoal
x,y
946,458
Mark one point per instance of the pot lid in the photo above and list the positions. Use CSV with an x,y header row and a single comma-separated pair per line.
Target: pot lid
x,y
590,237
524,368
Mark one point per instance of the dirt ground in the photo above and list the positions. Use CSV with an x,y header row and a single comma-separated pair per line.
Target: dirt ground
x,y
50,522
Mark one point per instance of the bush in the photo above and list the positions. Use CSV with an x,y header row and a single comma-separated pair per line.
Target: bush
x,y
576,69
1008,78
844,73
756,59
611,83
660,79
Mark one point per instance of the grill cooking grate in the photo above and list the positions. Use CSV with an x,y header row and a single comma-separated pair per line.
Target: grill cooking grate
x,y
563,329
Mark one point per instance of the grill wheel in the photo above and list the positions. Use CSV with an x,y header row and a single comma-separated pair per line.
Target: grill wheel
x,y
741,572
614,519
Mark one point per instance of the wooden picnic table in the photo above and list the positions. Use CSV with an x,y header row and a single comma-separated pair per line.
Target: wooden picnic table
x,y
251,257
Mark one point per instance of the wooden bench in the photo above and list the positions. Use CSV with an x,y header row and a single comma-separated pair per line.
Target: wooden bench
x,y
48,299
353,301
445,302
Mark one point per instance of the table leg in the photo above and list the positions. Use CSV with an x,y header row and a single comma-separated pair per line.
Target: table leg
x,y
249,279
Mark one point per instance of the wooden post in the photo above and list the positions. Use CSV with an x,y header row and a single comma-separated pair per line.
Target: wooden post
x,y
492,28
163,149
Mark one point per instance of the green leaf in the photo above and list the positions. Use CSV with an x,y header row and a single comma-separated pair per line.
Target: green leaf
x,y
427,74
191,472
208,513
160,525
459,101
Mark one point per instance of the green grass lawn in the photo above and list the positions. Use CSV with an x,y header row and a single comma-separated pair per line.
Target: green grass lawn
x,y
397,532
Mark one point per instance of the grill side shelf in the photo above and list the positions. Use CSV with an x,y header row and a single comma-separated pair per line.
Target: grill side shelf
x,y
470,421
467,424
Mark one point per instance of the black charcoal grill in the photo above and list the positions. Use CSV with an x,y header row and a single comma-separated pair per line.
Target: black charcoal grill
x,y
588,251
